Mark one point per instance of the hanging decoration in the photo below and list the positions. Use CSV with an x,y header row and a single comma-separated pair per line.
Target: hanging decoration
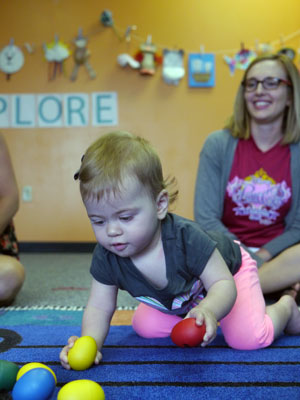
x,y
201,70
106,19
262,49
240,60
56,53
285,50
147,57
289,52
11,59
81,57
128,32
125,59
29,47
172,67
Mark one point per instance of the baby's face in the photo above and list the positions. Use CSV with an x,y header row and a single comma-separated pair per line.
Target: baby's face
x,y
127,222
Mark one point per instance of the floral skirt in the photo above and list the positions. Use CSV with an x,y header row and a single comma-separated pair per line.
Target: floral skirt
x,y
8,242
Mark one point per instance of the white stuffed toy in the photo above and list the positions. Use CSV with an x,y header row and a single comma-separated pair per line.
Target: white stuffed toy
x,y
172,68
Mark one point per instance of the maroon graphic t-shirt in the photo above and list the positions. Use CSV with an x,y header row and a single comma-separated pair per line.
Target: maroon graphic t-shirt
x,y
259,193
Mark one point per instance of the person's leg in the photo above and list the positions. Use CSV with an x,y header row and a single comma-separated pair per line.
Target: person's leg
x,y
280,272
12,275
247,326
285,316
151,323
250,324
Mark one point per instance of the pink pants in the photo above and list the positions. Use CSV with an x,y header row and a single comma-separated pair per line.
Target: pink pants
x,y
245,327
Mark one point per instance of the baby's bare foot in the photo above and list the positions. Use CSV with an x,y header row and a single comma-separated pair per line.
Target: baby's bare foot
x,y
293,325
293,291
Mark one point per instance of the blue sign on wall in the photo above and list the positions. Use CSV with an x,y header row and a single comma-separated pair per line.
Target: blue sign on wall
x,y
201,70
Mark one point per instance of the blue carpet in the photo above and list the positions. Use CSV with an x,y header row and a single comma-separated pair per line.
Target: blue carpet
x,y
137,369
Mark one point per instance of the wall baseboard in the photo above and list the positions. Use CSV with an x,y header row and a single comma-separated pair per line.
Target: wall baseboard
x,y
56,247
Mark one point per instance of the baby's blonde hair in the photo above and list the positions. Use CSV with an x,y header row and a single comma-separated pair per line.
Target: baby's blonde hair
x,y
117,155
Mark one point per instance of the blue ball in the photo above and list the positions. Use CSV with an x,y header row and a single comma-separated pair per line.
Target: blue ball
x,y
36,384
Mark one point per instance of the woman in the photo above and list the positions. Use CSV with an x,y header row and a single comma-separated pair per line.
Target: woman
x,y
12,273
248,182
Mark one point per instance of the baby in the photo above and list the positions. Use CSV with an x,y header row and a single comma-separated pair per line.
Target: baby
x,y
167,262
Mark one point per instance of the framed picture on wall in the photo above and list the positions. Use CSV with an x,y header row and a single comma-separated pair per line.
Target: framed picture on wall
x,y
201,70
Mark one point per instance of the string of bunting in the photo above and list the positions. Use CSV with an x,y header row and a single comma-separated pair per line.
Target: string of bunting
x,y
201,64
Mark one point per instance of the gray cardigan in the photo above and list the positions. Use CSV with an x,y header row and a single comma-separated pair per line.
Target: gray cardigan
x,y
214,168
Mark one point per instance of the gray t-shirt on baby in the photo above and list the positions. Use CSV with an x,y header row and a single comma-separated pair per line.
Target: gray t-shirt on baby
x,y
187,250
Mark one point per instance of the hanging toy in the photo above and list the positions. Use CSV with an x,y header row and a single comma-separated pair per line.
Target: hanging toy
x,y
147,57
240,60
81,57
125,59
106,19
172,67
56,53
11,59
288,52
263,49
128,31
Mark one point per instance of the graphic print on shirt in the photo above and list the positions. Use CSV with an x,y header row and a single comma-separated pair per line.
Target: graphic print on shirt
x,y
182,303
258,197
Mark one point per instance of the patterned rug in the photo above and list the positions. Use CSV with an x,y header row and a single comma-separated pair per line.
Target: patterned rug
x,y
152,369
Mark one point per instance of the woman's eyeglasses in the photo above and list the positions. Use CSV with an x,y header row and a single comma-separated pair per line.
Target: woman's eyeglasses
x,y
269,83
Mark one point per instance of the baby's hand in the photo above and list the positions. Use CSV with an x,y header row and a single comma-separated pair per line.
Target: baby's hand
x,y
64,353
205,316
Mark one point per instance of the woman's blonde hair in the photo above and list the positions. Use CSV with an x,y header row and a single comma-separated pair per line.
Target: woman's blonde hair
x,y
117,155
239,123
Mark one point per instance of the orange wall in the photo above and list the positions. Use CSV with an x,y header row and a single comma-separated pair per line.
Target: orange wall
x,y
175,119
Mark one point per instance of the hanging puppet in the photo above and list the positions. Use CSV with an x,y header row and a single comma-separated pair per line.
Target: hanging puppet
x,y
81,57
56,53
147,57
172,67
11,59
240,60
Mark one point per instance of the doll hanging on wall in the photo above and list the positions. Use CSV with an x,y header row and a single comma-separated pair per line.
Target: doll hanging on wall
x,y
56,53
147,57
11,59
173,69
81,57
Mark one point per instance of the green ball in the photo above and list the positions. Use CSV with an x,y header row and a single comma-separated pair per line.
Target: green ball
x,y
8,374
